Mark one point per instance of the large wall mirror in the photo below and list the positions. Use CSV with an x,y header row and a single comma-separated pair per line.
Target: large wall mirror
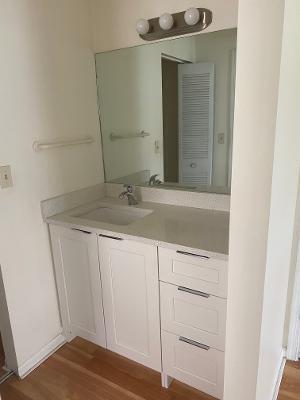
x,y
166,112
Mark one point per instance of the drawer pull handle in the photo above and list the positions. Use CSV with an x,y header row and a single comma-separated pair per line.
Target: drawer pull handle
x,y
186,253
111,237
194,343
191,291
81,230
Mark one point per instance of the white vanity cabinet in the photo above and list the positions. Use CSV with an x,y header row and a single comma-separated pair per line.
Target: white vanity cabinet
x,y
193,288
76,262
163,308
129,273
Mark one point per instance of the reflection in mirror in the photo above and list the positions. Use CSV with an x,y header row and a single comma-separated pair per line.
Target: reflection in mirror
x,y
166,112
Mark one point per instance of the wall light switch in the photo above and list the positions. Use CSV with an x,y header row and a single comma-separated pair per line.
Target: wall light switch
x,y
221,138
156,146
5,177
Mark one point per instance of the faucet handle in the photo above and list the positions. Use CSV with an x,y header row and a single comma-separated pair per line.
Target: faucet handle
x,y
130,188
154,180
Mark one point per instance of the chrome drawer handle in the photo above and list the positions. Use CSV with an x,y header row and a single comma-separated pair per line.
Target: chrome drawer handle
x,y
81,230
194,343
111,237
186,253
192,291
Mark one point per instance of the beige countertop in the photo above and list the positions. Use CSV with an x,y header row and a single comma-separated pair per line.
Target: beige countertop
x,y
167,225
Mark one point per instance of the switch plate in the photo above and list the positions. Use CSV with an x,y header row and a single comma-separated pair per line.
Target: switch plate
x,y
221,138
156,146
5,177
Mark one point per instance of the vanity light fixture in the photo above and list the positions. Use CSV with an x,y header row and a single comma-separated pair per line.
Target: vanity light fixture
x,y
166,21
192,16
142,26
168,25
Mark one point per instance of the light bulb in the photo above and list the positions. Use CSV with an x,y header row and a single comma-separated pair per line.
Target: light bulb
x,y
166,21
192,16
142,26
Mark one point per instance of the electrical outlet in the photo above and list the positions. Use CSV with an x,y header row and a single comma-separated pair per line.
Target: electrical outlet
x,y
5,177
221,138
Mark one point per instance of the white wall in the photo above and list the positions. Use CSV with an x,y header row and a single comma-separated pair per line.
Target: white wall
x,y
114,20
283,205
216,47
258,65
47,91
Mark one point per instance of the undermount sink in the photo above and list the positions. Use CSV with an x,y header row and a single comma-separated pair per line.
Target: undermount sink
x,y
115,215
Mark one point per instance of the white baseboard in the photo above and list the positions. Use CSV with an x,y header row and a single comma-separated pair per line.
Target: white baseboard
x,y
280,375
41,356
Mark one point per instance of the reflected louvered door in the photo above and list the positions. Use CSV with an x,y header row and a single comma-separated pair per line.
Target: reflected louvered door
x,y
196,114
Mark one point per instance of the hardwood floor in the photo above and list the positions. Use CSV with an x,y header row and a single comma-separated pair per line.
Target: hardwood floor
x,y
290,385
82,371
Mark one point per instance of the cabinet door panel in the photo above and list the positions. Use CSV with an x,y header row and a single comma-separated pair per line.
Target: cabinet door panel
x,y
197,317
206,274
202,369
131,300
79,285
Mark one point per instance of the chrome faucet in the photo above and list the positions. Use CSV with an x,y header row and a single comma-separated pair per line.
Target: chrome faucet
x,y
153,181
132,200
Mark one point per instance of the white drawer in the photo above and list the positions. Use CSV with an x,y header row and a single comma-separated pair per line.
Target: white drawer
x,y
194,271
197,367
191,314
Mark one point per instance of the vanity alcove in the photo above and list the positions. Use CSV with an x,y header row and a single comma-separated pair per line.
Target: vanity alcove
x,y
149,281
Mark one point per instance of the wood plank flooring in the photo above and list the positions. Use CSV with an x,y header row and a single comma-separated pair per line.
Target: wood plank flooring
x,y
290,385
82,371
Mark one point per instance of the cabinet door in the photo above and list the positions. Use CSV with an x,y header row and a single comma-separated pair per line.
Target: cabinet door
x,y
201,368
76,261
194,270
129,273
193,314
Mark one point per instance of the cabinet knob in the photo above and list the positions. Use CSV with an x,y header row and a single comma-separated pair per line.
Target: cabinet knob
x,y
193,165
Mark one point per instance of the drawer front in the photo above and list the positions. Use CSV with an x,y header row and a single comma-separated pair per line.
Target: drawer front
x,y
191,314
197,367
194,271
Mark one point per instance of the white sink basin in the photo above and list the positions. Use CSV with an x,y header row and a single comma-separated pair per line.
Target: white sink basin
x,y
115,215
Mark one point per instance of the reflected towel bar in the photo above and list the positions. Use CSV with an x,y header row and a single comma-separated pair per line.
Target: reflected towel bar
x,y
38,146
142,134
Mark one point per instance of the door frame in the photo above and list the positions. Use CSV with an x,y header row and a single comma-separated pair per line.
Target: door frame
x,y
293,347
177,61
165,56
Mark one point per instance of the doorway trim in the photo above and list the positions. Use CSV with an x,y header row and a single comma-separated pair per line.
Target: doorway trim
x,y
165,56
293,348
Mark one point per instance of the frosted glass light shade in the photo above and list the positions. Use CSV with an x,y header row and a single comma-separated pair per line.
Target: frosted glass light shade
x,y
166,21
192,16
142,26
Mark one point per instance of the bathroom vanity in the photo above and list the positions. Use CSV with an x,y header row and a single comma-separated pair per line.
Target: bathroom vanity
x,y
148,282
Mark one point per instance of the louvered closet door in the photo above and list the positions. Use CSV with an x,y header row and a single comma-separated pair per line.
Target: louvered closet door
x,y
196,114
